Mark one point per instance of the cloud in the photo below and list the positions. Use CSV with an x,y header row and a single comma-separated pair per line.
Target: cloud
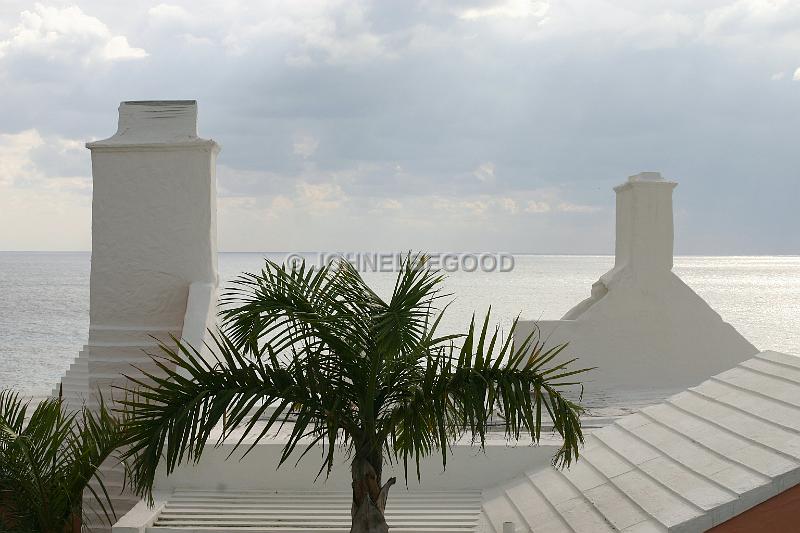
x,y
796,75
534,206
389,203
15,150
318,198
513,9
39,209
305,145
486,120
66,34
30,160
475,207
485,172
310,33
510,205
168,13
567,207
282,203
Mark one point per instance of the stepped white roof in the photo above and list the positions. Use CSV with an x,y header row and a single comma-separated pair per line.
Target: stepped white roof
x,y
263,511
694,461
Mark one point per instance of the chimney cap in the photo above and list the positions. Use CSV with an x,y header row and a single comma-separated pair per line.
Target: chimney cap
x,y
161,102
648,179
646,176
155,123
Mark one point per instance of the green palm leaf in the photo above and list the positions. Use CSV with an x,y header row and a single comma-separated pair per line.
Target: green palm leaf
x,y
48,458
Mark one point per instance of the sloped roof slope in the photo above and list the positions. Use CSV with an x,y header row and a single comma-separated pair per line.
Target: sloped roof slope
x,y
692,462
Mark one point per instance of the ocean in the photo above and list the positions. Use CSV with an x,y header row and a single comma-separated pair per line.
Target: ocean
x,y
44,300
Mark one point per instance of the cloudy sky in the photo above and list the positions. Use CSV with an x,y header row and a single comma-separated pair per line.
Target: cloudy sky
x,y
436,125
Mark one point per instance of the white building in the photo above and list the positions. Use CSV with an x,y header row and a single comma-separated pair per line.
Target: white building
x,y
646,332
687,463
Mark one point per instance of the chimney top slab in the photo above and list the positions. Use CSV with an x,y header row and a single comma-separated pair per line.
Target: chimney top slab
x,y
155,123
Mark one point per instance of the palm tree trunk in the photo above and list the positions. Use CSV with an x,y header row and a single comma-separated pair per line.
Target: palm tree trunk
x,y
7,521
369,497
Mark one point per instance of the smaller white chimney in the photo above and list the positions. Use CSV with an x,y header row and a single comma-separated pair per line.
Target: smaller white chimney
x,y
646,332
644,224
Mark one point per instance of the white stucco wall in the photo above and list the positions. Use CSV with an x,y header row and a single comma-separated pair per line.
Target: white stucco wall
x,y
154,243
467,468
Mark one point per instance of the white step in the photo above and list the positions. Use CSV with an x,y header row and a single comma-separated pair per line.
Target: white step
x,y
132,335
311,511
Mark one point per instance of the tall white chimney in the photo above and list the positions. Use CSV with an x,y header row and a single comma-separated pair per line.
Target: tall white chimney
x,y
154,254
153,217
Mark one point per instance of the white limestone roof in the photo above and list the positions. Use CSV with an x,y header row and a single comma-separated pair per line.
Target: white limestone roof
x,y
694,461
271,511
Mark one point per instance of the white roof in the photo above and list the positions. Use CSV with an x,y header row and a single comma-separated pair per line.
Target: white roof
x,y
694,461
270,511
685,465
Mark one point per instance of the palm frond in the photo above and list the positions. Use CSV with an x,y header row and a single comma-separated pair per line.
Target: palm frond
x,y
353,372
48,458
173,413
461,388
283,307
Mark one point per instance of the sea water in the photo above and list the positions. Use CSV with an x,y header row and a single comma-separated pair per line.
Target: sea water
x,y
44,300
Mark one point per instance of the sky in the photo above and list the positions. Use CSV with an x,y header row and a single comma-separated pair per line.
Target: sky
x,y
480,125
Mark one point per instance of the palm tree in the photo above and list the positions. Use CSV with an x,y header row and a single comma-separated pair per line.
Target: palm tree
x,y
353,372
47,459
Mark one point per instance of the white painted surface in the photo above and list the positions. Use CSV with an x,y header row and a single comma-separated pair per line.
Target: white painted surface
x,y
152,122
201,316
644,329
223,482
141,516
467,468
154,251
306,511
154,243
153,216
692,462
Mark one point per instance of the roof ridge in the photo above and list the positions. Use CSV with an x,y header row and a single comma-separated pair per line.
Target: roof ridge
x,y
726,383
680,464
655,480
761,355
594,507
707,448
621,492
737,435
745,412
486,522
764,373
516,508
550,504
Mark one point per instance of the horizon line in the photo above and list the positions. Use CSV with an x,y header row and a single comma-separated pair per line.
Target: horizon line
x,y
542,254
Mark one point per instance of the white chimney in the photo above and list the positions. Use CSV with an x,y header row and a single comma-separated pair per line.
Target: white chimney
x,y
646,332
153,216
644,224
